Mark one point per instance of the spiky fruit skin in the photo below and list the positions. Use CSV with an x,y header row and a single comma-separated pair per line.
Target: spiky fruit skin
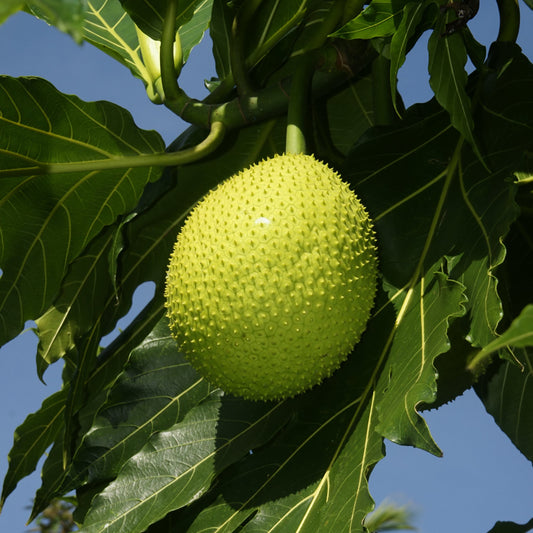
x,y
272,278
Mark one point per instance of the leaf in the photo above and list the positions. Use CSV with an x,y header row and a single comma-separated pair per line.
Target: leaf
x,y
74,310
149,15
529,3
508,397
155,391
192,31
419,337
204,443
379,19
512,527
8,8
448,77
220,33
272,22
429,263
150,237
42,127
518,335
32,438
350,113
313,473
412,15
111,30
65,15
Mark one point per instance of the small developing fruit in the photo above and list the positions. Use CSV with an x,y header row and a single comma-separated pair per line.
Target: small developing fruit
x,y
272,278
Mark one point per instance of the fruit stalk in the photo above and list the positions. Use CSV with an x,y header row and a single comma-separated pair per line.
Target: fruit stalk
x,y
169,72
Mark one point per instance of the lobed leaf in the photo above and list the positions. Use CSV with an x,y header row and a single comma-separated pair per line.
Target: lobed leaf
x,y
63,211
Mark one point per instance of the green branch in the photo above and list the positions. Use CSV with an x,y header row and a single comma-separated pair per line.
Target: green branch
x,y
166,159
238,32
509,20
169,73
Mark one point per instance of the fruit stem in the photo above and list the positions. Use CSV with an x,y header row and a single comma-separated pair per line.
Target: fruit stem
x,y
169,73
298,108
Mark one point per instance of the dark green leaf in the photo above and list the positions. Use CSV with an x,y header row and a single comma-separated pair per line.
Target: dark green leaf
x,y
155,391
149,15
508,397
178,465
512,527
32,438
379,19
63,211
350,113
447,60
412,14
529,3
220,32
313,474
273,21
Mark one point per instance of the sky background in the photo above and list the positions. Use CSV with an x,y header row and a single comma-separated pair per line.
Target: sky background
x,y
481,479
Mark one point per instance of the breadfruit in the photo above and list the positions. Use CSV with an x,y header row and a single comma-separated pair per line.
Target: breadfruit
x,y
272,278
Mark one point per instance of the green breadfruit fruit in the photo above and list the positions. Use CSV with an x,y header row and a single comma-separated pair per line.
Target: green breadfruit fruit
x,y
272,278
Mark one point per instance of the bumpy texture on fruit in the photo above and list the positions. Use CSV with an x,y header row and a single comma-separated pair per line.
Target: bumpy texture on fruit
x,y
272,278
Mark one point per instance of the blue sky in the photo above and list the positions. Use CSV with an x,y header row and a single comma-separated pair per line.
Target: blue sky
x,y
482,478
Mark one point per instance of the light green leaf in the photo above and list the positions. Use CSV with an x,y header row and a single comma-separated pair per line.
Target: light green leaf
x,y
518,335
66,15
108,27
42,128
192,31
73,311
425,312
379,19
8,8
